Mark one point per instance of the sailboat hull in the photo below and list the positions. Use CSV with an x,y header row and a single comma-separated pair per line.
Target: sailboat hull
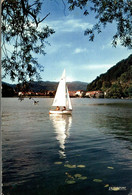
x,y
60,112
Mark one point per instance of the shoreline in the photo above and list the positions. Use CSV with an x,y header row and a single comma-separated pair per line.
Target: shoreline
x,y
127,98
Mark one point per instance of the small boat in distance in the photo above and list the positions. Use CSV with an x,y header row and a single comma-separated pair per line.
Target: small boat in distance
x,y
62,100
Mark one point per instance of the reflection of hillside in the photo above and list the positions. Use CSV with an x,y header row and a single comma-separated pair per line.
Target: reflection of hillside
x,y
61,125
116,120
120,128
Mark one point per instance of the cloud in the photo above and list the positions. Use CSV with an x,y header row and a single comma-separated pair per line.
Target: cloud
x,y
109,45
92,67
65,29
54,48
96,66
75,24
106,46
70,65
80,50
68,24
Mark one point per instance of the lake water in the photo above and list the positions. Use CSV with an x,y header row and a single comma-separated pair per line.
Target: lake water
x,y
88,153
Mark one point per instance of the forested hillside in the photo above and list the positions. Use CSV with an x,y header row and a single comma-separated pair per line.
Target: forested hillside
x,y
116,82
48,85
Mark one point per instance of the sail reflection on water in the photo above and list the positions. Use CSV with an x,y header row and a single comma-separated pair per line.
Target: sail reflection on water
x,y
62,125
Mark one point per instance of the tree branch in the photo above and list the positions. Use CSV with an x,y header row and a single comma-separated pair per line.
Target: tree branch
x,y
44,18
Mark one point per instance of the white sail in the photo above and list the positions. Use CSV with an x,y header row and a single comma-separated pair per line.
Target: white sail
x,y
60,97
68,100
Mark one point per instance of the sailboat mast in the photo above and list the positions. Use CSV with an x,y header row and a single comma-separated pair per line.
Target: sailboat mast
x,y
68,100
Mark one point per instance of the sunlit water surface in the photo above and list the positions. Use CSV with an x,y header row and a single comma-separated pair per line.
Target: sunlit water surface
x,y
88,153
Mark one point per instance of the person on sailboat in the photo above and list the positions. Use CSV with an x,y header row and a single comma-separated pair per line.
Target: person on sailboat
x,y
57,108
64,108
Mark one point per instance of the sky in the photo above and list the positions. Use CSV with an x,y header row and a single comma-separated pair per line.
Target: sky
x,y
69,49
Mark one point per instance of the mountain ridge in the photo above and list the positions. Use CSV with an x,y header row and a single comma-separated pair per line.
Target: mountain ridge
x,y
38,86
115,83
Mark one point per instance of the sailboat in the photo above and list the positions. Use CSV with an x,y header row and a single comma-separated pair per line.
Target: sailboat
x,y
62,99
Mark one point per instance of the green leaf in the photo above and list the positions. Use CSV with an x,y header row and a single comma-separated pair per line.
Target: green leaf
x,y
58,163
70,166
98,180
70,181
81,166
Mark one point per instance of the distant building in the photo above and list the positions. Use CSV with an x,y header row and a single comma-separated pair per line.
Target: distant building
x,y
51,93
94,94
30,93
72,93
26,93
40,94
79,93
105,93
20,93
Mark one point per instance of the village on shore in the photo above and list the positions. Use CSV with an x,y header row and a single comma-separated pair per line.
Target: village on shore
x,y
73,94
